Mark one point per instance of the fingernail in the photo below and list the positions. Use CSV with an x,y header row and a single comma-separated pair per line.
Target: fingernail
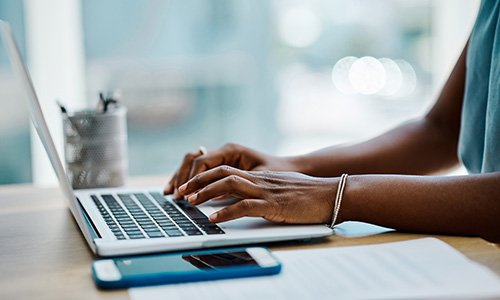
x,y
192,198
213,217
167,189
182,188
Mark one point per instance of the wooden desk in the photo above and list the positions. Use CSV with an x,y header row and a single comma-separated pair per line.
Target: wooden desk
x,y
44,256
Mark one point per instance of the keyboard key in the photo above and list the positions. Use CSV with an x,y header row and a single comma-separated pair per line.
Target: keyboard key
x,y
157,214
166,223
186,226
158,197
182,219
136,236
149,226
121,216
209,227
215,232
190,210
148,231
173,232
162,219
193,232
184,222
176,234
130,226
125,221
189,228
146,222
155,234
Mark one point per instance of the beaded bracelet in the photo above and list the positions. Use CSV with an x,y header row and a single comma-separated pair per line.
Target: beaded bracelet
x,y
338,199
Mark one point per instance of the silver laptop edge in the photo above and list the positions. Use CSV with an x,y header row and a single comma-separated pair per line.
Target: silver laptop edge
x,y
42,129
93,229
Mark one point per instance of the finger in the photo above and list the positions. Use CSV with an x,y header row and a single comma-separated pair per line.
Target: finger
x,y
208,161
243,208
232,185
183,172
261,168
203,179
169,188
222,197
230,154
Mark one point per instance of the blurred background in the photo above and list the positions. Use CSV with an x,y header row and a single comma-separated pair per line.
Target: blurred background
x,y
282,76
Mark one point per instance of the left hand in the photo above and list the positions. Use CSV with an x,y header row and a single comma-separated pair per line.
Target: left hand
x,y
281,197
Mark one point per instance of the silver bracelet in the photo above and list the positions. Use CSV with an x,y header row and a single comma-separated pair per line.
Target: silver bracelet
x,y
338,198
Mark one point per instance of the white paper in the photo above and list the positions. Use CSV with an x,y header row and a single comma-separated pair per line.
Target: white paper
x,y
419,268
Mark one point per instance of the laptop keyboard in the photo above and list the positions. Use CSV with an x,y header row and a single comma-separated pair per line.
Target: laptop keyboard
x,y
152,216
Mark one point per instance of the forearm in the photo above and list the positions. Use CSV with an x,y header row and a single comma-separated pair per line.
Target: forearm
x,y
461,205
413,148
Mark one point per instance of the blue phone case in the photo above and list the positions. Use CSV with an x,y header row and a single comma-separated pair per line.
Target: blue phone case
x,y
187,276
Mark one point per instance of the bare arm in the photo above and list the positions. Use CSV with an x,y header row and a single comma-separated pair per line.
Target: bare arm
x,y
462,205
424,146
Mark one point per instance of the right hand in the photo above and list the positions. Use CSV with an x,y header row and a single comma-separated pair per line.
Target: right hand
x,y
233,155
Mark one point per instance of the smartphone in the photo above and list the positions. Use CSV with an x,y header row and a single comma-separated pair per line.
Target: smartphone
x,y
124,272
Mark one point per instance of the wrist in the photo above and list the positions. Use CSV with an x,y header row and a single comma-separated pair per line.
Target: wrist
x,y
327,207
347,212
299,164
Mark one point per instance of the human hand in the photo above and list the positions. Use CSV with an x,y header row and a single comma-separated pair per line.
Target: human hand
x,y
281,197
233,155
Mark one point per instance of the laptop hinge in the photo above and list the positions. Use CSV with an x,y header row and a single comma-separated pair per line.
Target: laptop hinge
x,y
91,226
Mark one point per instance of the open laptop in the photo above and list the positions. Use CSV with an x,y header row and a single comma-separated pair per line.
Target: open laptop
x,y
123,221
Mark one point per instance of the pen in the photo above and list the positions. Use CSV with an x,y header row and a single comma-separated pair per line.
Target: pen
x,y
104,102
62,108
101,104
64,111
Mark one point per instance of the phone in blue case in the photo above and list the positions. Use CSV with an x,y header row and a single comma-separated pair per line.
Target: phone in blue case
x,y
124,272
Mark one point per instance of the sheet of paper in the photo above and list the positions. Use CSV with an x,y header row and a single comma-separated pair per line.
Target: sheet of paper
x,y
419,268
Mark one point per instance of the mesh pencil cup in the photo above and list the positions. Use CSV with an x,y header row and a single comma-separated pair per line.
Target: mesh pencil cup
x,y
95,147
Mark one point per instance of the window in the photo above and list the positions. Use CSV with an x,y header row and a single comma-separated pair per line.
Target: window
x,y
260,73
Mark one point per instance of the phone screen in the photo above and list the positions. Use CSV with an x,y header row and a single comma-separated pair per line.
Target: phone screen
x,y
182,263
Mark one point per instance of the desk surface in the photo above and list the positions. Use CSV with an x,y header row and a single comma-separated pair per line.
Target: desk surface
x,y
43,255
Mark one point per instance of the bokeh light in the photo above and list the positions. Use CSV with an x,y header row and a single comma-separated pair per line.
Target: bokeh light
x,y
371,76
394,78
299,27
367,75
340,75
409,78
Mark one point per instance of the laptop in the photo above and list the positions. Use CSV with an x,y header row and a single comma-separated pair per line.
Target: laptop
x,y
127,220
